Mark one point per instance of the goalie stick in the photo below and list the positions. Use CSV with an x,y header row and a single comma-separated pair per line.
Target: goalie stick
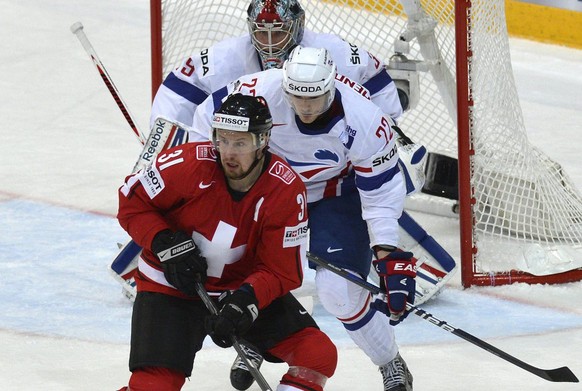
x,y
164,134
252,368
563,374
77,29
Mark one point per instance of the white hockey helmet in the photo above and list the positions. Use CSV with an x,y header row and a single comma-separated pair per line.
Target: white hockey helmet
x,y
309,73
276,27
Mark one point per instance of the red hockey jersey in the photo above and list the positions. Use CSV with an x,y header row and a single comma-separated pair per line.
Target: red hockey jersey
x,y
258,239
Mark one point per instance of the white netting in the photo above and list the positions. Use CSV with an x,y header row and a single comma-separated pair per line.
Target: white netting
x,y
525,204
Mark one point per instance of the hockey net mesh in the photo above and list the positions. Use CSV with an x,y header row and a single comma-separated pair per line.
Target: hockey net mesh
x,y
527,215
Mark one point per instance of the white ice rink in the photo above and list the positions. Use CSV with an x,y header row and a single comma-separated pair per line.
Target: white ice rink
x,y
65,148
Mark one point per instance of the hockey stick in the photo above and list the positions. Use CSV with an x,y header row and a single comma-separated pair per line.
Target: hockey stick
x,y
563,374
77,29
163,132
252,369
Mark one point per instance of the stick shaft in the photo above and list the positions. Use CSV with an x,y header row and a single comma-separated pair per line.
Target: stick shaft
x,y
77,29
235,343
563,374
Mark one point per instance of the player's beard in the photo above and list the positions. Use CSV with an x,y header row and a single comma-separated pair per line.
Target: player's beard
x,y
234,171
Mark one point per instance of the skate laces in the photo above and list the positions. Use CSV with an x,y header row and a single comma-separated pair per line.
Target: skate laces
x,y
395,374
253,357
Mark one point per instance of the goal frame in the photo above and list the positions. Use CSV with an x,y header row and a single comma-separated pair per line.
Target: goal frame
x,y
469,274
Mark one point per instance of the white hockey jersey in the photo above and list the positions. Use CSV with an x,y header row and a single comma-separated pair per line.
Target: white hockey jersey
x,y
214,67
356,143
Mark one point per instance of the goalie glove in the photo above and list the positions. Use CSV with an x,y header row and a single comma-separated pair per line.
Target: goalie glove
x,y
238,311
181,260
398,273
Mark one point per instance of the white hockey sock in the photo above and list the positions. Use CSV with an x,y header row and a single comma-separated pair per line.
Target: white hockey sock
x,y
376,338
368,328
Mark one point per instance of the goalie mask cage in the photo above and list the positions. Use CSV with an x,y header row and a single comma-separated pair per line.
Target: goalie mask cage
x,y
520,216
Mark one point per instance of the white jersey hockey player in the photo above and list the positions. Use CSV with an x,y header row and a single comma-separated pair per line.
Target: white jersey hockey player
x,y
214,67
344,148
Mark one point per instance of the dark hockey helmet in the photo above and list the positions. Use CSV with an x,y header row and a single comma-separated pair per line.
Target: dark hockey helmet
x,y
276,27
244,113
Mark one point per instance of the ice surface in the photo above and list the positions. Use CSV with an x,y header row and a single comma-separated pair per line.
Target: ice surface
x,y
65,148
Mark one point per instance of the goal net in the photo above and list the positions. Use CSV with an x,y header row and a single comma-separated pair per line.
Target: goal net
x,y
520,216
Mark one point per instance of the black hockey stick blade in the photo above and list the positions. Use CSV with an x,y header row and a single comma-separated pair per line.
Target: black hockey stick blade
x,y
563,374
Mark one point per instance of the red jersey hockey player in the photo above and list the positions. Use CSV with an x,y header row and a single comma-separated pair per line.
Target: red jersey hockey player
x,y
234,215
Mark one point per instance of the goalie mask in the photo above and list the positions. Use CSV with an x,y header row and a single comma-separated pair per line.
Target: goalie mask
x,y
309,82
276,27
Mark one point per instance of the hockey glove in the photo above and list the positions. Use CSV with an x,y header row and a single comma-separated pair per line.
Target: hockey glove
x,y
181,260
398,272
238,311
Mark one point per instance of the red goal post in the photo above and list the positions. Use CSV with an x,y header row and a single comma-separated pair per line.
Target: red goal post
x,y
520,217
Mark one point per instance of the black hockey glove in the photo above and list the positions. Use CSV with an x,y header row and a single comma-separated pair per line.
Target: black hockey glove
x,y
398,271
181,260
238,311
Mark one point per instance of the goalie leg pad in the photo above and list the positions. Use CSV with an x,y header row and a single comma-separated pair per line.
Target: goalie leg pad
x,y
124,267
434,264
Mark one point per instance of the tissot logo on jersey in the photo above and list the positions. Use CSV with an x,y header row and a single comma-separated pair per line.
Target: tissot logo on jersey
x,y
152,181
295,236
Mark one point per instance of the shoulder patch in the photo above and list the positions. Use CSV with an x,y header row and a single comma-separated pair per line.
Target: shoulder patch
x,y
205,152
281,171
294,236
152,181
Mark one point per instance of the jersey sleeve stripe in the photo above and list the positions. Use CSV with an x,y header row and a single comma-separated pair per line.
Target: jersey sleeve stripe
x,y
378,82
184,89
376,181
217,97
363,169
